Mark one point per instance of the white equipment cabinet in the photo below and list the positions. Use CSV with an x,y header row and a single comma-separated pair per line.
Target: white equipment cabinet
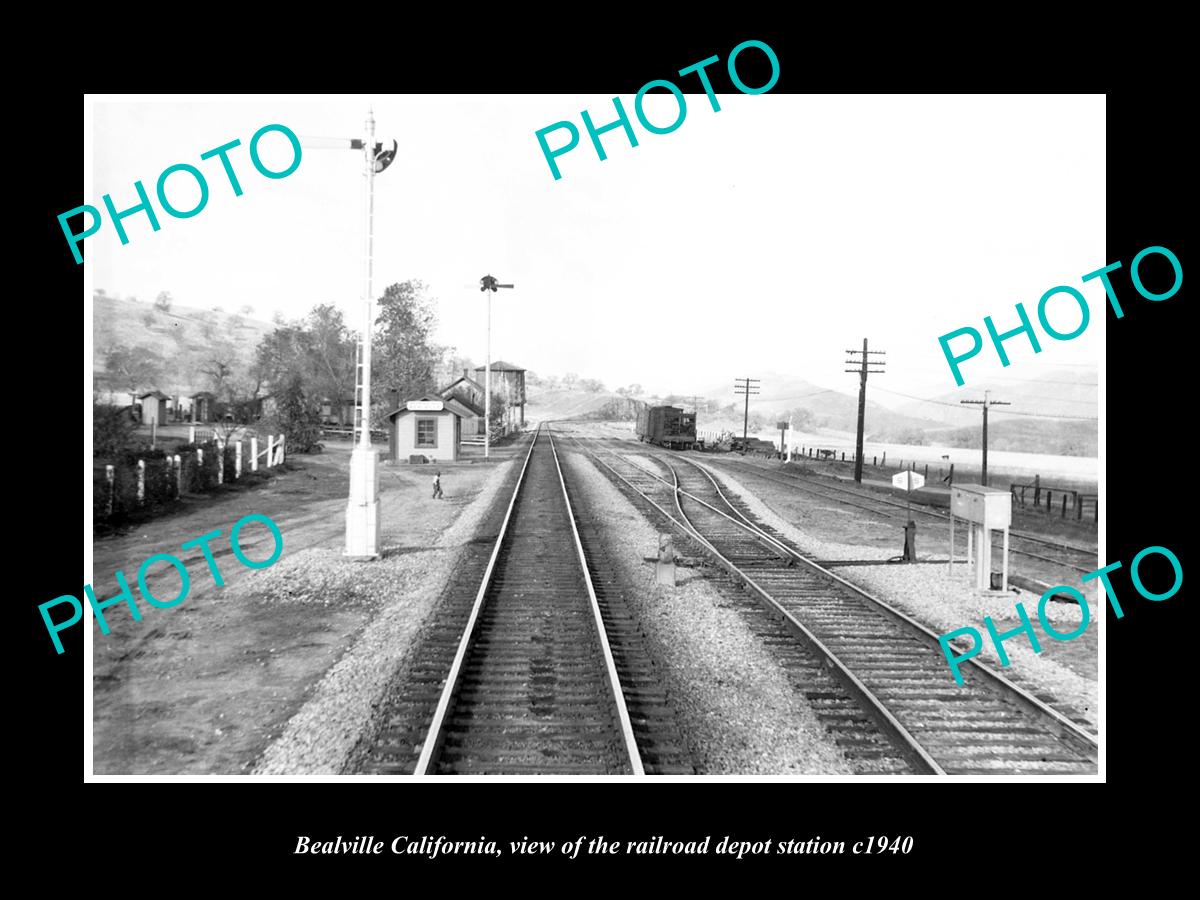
x,y
986,510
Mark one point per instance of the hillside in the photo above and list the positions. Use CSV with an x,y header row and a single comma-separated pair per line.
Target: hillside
x,y
171,347
1029,425
1059,437
1061,393
830,408
561,405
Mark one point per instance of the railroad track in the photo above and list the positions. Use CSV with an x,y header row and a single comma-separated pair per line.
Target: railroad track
x,y
523,677
894,509
883,678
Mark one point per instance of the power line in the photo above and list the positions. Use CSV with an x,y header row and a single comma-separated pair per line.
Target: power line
x,y
1005,412
1044,381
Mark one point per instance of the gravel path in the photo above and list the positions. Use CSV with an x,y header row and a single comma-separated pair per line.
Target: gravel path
x,y
731,698
320,738
930,596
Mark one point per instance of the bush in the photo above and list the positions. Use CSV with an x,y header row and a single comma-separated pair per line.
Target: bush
x,y
113,429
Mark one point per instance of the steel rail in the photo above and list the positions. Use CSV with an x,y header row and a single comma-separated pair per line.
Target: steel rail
x,y
1071,729
435,736
797,481
1061,725
614,681
910,748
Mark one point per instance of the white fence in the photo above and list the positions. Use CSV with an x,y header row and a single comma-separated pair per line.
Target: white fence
x,y
272,455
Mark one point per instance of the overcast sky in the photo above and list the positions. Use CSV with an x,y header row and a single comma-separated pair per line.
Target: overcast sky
x,y
771,235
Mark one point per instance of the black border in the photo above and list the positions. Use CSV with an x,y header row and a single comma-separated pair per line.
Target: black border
x,y
1146,353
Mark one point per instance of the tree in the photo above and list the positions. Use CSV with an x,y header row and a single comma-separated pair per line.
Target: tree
x,y
570,380
318,349
298,415
163,302
132,368
454,364
331,348
404,360
591,385
498,412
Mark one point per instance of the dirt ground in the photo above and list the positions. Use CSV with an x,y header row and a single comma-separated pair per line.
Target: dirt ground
x,y
205,686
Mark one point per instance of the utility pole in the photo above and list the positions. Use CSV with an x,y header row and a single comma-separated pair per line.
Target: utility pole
x,y
488,284
746,386
861,370
985,403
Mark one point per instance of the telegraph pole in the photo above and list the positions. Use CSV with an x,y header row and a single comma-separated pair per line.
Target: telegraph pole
x,y
985,403
746,386
861,370
488,284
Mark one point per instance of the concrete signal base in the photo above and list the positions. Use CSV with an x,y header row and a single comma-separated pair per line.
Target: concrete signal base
x,y
362,511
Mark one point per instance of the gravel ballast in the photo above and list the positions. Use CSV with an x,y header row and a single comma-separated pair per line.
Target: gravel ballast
x,y
927,593
320,737
731,698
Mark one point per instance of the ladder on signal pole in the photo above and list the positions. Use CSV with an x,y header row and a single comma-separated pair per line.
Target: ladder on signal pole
x,y
359,412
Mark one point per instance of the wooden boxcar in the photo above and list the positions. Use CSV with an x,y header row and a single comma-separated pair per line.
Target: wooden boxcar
x,y
667,426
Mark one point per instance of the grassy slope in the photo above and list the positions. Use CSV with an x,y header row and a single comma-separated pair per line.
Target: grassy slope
x,y
180,337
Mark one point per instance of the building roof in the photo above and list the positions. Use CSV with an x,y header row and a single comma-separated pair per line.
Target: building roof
x,y
501,366
463,407
431,398
204,395
456,382
156,394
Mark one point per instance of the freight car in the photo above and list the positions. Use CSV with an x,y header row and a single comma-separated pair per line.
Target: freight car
x,y
667,426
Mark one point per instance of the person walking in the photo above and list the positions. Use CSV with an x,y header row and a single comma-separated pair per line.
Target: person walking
x,y
437,486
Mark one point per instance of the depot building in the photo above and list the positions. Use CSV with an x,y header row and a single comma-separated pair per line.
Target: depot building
x,y
427,429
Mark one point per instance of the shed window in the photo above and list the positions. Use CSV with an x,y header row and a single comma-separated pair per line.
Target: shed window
x,y
426,433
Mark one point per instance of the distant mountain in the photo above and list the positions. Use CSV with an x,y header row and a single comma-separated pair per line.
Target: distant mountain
x,y
833,409
1067,393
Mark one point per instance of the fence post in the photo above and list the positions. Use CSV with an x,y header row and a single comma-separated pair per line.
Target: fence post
x,y
279,451
1049,496
884,458
874,460
843,456
220,462
110,476
1037,490
141,480
1079,507
270,450
926,471
1064,505
153,432
254,453
237,460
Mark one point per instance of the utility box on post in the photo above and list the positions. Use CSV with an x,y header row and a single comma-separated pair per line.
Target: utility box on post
x,y
986,510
